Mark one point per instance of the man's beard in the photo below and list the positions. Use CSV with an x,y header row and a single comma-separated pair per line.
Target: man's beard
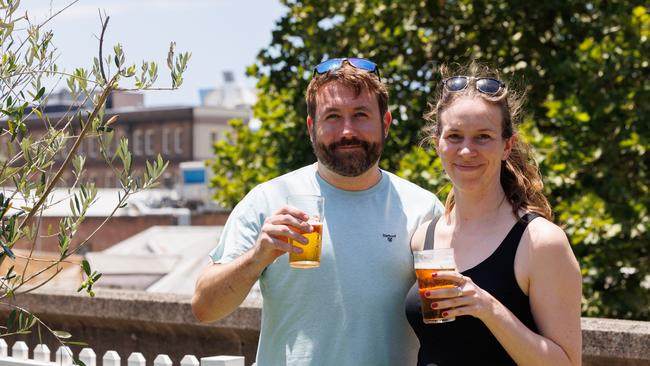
x,y
348,163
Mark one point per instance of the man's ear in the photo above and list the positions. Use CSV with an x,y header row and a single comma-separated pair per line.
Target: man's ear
x,y
388,118
310,125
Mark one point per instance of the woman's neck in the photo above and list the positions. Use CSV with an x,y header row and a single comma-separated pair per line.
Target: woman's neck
x,y
484,206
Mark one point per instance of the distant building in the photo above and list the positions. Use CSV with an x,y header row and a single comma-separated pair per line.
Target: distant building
x,y
230,95
151,207
178,134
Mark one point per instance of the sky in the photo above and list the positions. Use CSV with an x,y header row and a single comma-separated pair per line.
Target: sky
x,y
222,35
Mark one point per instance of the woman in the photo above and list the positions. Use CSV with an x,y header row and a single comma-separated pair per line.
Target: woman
x,y
518,293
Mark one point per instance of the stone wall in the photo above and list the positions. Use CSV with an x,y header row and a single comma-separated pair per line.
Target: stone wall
x,y
130,321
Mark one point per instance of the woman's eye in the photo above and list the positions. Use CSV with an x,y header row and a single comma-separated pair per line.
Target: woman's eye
x,y
483,137
455,137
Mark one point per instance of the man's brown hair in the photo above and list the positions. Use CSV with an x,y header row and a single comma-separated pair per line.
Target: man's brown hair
x,y
352,77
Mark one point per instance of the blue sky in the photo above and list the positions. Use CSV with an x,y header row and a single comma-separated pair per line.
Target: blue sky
x,y
221,34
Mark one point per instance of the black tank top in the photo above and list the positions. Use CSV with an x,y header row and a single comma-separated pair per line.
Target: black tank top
x,y
467,341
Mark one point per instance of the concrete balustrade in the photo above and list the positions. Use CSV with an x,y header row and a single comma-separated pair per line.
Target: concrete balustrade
x,y
131,321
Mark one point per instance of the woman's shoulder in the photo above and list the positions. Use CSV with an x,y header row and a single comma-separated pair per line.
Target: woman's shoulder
x,y
548,246
543,233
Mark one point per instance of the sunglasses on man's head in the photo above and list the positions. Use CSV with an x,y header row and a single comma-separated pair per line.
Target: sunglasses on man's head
x,y
337,63
489,86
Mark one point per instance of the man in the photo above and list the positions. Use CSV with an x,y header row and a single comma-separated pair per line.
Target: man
x,y
349,311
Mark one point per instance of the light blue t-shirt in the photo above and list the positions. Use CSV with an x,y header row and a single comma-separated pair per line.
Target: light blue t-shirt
x,y
350,310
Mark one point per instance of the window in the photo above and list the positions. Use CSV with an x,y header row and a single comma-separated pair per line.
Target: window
x,y
178,143
69,179
148,142
92,177
108,181
137,143
165,141
90,146
65,148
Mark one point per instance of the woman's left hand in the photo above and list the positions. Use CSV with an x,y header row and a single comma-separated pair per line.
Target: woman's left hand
x,y
464,299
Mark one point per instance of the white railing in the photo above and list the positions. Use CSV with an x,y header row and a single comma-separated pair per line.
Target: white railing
x,y
64,357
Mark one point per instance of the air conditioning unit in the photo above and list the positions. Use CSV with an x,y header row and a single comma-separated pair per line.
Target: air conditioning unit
x,y
195,177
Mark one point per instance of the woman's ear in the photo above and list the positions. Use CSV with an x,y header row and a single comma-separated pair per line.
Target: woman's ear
x,y
507,148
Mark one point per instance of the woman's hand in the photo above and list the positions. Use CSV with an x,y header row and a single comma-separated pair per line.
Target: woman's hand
x,y
464,299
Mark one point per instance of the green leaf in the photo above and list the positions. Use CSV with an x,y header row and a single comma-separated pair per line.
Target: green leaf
x,y
76,360
61,334
86,267
40,94
11,319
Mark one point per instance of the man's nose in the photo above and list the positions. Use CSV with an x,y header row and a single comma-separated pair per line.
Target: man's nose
x,y
348,127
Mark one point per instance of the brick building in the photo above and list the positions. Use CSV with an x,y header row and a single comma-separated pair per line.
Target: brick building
x,y
179,134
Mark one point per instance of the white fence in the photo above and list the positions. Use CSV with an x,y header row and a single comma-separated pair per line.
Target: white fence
x,y
64,357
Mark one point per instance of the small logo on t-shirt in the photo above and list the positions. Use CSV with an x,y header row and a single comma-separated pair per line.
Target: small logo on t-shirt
x,y
389,237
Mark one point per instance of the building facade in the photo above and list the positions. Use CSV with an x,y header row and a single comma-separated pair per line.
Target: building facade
x,y
178,134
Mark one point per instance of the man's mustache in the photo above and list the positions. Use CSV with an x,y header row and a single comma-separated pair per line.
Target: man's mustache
x,y
349,142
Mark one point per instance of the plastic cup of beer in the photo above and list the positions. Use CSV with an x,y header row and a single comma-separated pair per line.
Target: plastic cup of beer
x,y
426,263
313,206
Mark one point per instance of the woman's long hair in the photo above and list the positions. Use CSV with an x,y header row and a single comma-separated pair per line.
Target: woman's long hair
x,y
520,177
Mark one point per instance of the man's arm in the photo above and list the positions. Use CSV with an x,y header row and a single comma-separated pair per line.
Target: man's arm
x,y
222,287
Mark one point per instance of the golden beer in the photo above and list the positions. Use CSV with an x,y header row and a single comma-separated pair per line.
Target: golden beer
x,y
428,262
426,283
310,256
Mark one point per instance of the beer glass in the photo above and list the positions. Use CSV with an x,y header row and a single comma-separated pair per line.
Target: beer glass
x,y
313,206
428,262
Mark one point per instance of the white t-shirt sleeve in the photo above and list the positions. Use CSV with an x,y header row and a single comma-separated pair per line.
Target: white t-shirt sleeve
x,y
242,228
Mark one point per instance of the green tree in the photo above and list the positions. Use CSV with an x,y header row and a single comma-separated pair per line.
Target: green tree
x,y
28,171
584,67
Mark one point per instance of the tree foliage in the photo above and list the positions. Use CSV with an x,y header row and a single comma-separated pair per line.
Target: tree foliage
x,y
583,65
28,162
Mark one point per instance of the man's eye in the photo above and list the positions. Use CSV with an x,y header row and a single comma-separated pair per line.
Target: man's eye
x,y
331,116
361,115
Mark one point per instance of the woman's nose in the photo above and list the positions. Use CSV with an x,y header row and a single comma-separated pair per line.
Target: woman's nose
x,y
466,149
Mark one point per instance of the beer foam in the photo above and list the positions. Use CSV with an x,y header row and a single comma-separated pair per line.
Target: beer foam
x,y
446,264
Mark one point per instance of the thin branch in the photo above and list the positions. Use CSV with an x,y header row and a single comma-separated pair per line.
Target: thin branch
x,y
56,273
64,165
39,322
31,249
101,46
32,276
73,251
45,260
57,13
148,89
39,71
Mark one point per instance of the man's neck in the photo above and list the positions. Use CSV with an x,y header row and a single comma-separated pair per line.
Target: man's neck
x,y
359,183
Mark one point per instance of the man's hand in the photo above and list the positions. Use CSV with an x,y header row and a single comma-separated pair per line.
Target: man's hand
x,y
273,240
221,288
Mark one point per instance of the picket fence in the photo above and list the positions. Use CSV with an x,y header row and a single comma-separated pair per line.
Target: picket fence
x,y
64,357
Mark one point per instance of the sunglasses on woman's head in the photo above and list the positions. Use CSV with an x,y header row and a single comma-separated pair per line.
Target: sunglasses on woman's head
x,y
337,63
488,86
